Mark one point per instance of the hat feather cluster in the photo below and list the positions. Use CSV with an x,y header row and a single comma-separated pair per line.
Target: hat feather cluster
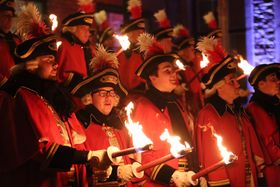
x,y
162,19
135,8
212,49
30,24
103,59
149,45
86,6
180,31
101,19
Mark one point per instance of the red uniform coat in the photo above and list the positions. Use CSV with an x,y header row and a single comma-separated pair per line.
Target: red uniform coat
x,y
6,60
35,130
101,136
267,129
71,60
154,121
227,126
127,69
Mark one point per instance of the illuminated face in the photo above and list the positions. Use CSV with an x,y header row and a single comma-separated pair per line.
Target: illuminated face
x,y
229,90
82,32
166,44
166,79
270,85
104,99
47,67
6,20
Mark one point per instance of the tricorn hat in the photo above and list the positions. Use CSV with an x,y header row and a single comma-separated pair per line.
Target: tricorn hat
x,y
136,22
165,30
78,18
181,38
153,55
104,30
261,71
104,74
8,5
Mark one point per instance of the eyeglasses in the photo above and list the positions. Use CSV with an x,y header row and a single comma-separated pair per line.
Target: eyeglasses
x,y
105,93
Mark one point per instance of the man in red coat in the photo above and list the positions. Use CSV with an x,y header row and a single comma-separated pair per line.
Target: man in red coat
x,y
101,120
221,115
74,53
265,109
131,59
183,45
158,110
43,145
8,40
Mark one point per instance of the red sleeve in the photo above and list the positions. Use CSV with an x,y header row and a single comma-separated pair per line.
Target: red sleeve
x,y
266,128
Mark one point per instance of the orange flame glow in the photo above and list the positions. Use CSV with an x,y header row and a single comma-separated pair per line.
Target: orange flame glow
x,y
223,150
204,62
123,40
58,43
53,19
180,65
245,66
228,156
176,147
135,129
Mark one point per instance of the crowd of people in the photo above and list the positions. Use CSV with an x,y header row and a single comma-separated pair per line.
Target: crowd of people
x,y
63,106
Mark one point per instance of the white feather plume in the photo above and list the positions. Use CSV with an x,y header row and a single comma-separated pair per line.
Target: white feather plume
x,y
207,44
145,41
134,3
100,17
29,19
160,15
103,59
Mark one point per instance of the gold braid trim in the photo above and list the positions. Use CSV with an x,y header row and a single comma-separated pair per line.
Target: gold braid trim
x,y
156,171
219,182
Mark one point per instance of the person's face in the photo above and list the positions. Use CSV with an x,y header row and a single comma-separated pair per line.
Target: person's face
x,y
270,85
109,43
188,54
230,89
166,44
82,33
47,67
6,20
166,79
104,99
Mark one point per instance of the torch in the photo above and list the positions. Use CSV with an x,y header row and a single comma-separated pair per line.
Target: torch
x,y
228,157
53,19
177,150
124,42
245,66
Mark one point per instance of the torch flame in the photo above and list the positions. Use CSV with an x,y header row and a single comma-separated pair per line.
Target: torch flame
x,y
223,150
123,40
204,62
135,129
53,19
180,65
176,147
245,66
58,43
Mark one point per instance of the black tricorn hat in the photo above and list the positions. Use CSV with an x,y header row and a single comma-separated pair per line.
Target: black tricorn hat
x,y
163,33
106,78
135,24
7,5
32,48
181,38
218,71
78,18
148,65
261,71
